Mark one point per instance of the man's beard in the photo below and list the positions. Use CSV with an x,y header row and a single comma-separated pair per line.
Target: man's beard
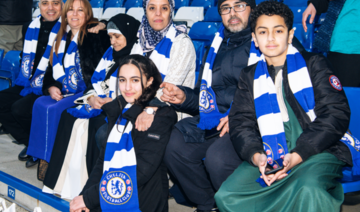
x,y
236,28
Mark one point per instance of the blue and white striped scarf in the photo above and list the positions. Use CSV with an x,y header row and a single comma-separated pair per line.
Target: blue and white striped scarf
x,y
118,185
86,111
160,56
268,112
30,44
69,73
209,112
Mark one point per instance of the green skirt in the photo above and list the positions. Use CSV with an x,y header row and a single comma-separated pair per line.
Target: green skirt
x,y
310,186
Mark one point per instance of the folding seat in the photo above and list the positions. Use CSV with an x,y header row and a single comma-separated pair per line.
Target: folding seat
x,y
206,4
97,3
296,3
200,51
190,15
181,3
2,53
113,4
136,12
36,13
212,15
133,3
298,11
204,31
305,38
112,11
10,68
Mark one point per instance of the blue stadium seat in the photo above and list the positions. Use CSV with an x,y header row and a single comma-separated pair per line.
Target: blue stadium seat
x,y
206,4
133,3
10,69
97,3
298,11
296,3
259,1
204,31
200,51
305,38
113,3
352,95
2,52
181,3
212,15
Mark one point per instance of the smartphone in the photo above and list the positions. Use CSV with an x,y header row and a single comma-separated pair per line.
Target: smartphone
x,y
211,133
273,171
66,95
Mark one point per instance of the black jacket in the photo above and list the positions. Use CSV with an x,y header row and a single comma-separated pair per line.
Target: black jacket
x,y
331,109
231,58
149,148
91,52
15,12
43,39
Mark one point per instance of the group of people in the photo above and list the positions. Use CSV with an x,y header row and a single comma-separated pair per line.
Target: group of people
x,y
112,106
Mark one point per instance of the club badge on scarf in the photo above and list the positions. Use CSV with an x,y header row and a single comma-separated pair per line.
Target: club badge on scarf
x,y
31,40
209,112
86,111
118,185
69,73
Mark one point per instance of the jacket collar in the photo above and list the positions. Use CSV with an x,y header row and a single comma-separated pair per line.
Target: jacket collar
x,y
237,38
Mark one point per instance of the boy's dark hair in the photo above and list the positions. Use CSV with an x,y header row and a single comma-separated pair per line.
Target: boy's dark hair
x,y
146,67
270,8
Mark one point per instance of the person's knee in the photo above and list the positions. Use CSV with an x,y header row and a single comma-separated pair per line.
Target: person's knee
x,y
17,110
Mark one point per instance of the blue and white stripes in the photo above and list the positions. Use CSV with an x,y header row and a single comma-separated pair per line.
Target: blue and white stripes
x,y
267,109
30,44
69,73
118,185
209,113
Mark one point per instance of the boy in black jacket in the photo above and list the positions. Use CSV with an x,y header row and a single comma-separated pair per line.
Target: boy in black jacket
x,y
289,113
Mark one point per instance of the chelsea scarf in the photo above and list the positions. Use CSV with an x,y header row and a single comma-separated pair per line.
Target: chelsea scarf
x,y
69,73
160,56
118,185
30,44
86,111
267,109
208,109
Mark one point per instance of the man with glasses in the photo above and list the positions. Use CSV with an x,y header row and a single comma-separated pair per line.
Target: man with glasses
x,y
199,159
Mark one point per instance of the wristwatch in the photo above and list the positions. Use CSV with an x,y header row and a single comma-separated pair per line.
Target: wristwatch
x,y
149,111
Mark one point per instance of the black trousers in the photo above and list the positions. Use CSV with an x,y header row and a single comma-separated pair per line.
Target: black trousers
x,y
346,68
16,113
201,179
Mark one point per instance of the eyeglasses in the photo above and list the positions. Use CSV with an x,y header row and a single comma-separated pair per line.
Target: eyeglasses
x,y
237,8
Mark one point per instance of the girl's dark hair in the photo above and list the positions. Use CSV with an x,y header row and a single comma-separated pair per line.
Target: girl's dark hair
x,y
146,67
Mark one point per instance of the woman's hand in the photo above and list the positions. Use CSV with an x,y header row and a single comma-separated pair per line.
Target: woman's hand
x,y
310,10
78,205
96,102
260,160
172,93
223,126
97,28
144,120
55,93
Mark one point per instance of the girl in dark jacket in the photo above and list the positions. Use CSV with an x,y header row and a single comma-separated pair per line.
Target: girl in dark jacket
x,y
129,174
75,56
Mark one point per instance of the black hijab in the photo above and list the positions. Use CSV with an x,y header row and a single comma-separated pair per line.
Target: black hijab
x,y
129,27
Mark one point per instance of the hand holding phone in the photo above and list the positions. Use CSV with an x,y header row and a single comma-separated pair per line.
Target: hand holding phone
x,y
273,171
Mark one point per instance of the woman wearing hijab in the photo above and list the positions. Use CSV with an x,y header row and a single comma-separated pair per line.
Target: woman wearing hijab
x,y
167,45
75,138
74,57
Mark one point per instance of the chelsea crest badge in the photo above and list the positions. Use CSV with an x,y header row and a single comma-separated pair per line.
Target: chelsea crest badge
x,y
116,188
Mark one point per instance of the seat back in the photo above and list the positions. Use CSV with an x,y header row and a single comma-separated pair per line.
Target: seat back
x,y
296,3
305,38
10,68
200,51
133,3
97,3
212,15
136,12
353,95
204,31
181,3
206,4
97,12
113,3
2,53
112,11
36,13
190,15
